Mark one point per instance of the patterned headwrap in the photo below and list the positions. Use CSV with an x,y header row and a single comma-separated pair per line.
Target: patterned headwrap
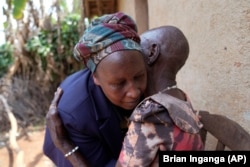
x,y
106,35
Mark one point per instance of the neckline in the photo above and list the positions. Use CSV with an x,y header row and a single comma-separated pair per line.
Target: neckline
x,y
168,88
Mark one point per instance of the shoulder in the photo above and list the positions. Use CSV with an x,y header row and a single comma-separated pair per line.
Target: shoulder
x,y
76,98
75,89
76,78
82,101
181,112
163,108
150,111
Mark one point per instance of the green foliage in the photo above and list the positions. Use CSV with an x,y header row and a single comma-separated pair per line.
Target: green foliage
x,y
69,33
48,43
6,58
64,6
19,6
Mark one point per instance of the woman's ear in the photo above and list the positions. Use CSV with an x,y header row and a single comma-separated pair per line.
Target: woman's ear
x,y
95,78
153,54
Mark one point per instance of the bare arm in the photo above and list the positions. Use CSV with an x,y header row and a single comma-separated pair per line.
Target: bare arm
x,y
59,134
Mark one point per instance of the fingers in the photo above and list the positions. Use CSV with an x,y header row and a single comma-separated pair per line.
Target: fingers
x,y
57,97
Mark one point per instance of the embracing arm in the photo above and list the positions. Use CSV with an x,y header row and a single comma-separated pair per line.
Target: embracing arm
x,y
77,128
59,134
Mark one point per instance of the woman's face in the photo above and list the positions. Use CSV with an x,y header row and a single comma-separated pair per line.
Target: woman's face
x,y
122,77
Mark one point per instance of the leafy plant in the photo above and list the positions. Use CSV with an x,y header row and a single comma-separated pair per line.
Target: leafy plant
x,y
48,43
6,58
19,6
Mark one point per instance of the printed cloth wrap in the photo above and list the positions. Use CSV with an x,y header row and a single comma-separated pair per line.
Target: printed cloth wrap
x,y
163,120
105,35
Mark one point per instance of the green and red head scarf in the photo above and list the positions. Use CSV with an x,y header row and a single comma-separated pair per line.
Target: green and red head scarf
x,y
105,35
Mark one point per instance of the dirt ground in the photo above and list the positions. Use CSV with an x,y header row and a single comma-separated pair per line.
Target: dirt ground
x,y
33,155
32,148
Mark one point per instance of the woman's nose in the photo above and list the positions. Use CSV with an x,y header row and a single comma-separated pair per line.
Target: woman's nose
x,y
134,92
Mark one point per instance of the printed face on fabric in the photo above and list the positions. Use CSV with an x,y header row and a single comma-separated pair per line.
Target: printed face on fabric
x,y
122,77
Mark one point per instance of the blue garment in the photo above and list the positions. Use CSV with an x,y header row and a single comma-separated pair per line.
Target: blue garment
x,y
91,121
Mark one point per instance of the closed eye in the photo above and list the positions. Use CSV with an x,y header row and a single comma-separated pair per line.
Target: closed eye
x,y
118,84
139,77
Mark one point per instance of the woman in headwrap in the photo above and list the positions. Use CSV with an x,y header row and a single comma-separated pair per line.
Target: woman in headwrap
x,y
97,100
